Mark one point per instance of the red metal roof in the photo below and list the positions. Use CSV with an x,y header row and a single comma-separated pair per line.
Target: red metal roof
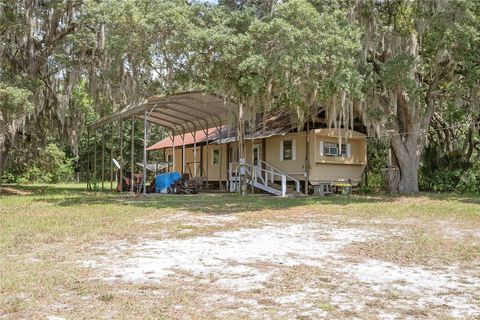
x,y
277,122
189,139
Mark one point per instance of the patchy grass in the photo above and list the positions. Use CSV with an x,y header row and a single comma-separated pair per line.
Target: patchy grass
x,y
50,233
425,244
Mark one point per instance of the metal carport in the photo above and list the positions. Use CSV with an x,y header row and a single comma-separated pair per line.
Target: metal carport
x,y
180,113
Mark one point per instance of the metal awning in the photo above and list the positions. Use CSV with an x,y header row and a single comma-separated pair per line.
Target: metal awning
x,y
181,113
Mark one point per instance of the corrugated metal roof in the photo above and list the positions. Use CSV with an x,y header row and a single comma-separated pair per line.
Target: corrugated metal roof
x,y
277,122
189,138
181,113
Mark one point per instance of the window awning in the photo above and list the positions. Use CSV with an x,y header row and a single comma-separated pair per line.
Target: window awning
x,y
181,113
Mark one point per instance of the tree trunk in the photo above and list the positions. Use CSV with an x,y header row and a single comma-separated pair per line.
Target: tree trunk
x,y
408,142
5,143
407,155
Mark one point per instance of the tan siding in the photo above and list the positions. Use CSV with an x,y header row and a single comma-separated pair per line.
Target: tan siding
x,y
295,167
322,168
337,169
213,170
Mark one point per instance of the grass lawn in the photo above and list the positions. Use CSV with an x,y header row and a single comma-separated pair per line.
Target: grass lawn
x,y
69,254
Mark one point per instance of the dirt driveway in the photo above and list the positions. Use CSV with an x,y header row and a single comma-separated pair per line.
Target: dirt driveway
x,y
75,255
310,268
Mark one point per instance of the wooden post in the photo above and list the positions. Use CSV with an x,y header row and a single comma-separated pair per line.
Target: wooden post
x,y
89,187
220,160
241,148
103,157
145,153
173,152
253,166
307,158
229,160
206,172
111,157
183,153
194,154
132,157
202,171
95,157
120,180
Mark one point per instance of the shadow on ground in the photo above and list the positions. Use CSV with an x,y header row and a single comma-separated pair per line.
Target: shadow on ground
x,y
213,203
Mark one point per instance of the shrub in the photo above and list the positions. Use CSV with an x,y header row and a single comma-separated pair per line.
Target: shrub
x,y
51,166
469,180
449,173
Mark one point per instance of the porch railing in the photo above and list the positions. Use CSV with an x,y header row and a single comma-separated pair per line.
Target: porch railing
x,y
260,178
271,168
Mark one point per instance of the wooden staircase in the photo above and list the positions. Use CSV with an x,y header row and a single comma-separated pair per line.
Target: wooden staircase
x,y
263,179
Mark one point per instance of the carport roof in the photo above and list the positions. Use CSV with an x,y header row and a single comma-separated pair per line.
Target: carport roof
x,y
181,113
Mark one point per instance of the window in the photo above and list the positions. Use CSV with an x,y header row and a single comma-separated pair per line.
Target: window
x,y
215,156
170,158
256,154
332,149
287,150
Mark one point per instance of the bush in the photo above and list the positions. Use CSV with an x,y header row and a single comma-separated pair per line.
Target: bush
x,y
469,180
8,177
51,166
449,173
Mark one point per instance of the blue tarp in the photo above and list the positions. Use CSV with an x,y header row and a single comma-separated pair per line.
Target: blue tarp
x,y
165,180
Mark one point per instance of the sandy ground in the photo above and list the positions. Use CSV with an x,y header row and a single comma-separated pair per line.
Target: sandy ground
x,y
289,270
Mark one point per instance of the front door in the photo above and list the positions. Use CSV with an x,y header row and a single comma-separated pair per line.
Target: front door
x,y
257,155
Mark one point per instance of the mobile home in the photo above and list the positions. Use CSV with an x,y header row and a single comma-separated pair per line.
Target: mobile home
x,y
313,157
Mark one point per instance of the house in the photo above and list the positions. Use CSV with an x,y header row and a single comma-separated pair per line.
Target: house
x,y
277,155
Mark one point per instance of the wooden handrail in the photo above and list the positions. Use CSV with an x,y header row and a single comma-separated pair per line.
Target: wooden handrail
x,y
297,182
254,173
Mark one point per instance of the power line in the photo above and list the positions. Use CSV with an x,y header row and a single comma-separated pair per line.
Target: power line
x,y
424,131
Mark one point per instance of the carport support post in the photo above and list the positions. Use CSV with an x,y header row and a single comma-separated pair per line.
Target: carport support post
x,y
145,153
111,158
103,157
208,163
183,152
120,180
253,162
132,176
173,152
194,154
88,159
95,156
221,160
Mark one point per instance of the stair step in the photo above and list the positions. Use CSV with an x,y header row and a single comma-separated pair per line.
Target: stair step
x,y
270,187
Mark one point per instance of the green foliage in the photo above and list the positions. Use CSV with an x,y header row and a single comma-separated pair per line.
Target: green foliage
x,y
299,54
449,173
14,101
377,153
296,57
470,180
51,166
